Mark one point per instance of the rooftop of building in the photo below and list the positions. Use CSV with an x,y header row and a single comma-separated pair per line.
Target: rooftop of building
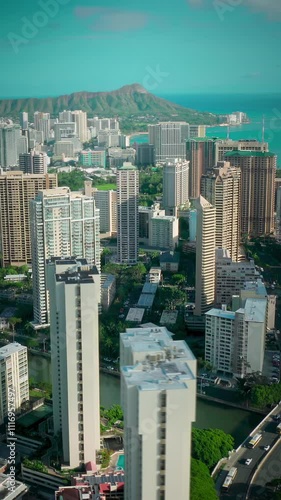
x,y
259,154
146,300
163,375
150,288
169,257
201,139
254,310
202,202
220,313
107,279
128,166
7,491
10,349
256,286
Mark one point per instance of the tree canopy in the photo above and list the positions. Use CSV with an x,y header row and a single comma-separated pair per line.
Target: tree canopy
x,y
201,484
210,445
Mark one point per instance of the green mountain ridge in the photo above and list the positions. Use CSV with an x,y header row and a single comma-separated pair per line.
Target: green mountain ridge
x,y
130,101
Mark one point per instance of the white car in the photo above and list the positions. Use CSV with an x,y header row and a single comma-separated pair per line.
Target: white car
x,y
266,448
248,461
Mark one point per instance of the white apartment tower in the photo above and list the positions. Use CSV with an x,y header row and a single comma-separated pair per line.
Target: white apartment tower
x,y
74,288
221,186
80,118
14,378
158,396
205,256
33,163
42,123
127,214
62,224
9,137
106,202
169,140
175,185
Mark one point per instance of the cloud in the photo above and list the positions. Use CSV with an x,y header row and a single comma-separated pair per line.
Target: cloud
x,y
107,19
272,8
253,75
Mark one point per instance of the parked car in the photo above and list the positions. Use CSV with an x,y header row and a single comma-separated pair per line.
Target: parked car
x,y
248,461
266,448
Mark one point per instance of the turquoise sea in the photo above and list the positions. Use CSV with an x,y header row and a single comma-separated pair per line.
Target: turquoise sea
x,y
256,106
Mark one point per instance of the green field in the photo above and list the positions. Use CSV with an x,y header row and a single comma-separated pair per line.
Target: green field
x,y
106,187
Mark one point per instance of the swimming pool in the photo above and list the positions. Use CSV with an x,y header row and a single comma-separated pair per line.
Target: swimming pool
x,y
120,462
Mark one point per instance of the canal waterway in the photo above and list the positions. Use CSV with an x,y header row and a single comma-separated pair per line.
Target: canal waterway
x,y
234,421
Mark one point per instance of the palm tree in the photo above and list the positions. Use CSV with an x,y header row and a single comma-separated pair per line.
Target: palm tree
x,y
12,322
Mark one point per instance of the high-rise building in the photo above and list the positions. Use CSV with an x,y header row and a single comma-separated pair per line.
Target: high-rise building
x,y
169,139
33,163
224,146
80,118
197,131
158,396
278,214
127,214
200,152
9,136
175,185
64,130
65,116
62,224
93,157
65,148
106,202
16,191
221,186
24,120
205,256
258,171
157,229
23,143
145,154
14,389
74,288
231,276
42,123
235,341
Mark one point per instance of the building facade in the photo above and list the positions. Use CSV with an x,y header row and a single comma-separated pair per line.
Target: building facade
x,y
93,158
16,191
224,146
175,185
9,137
106,202
168,138
127,214
200,152
221,186
33,163
158,396
258,171
62,224
74,288
14,388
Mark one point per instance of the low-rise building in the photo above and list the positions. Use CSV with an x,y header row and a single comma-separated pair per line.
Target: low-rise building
x,y
11,490
154,275
93,157
6,315
169,261
95,486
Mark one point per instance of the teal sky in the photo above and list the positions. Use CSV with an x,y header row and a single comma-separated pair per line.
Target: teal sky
x,y
179,46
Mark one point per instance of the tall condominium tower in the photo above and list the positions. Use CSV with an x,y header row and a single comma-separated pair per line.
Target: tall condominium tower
x,y
158,395
169,139
9,137
42,124
74,288
33,163
64,130
127,214
175,185
62,224
16,191
24,120
224,146
205,256
106,202
201,155
145,154
65,116
258,171
14,389
80,118
221,186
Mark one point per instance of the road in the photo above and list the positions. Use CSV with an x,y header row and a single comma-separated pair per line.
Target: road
x,y
238,489
271,469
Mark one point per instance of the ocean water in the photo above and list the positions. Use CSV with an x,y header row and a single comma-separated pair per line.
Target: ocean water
x,y
256,106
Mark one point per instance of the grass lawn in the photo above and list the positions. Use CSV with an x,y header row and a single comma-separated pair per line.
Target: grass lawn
x,y
106,187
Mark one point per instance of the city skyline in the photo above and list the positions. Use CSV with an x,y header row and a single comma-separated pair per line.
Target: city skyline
x,y
30,31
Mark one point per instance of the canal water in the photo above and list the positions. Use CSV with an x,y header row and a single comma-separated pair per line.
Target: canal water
x,y
236,422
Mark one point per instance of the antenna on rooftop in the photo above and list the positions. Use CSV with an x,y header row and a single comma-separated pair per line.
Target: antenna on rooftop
x,y
263,128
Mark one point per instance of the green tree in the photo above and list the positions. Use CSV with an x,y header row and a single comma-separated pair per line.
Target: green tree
x,y
74,180
210,445
178,279
13,322
201,484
